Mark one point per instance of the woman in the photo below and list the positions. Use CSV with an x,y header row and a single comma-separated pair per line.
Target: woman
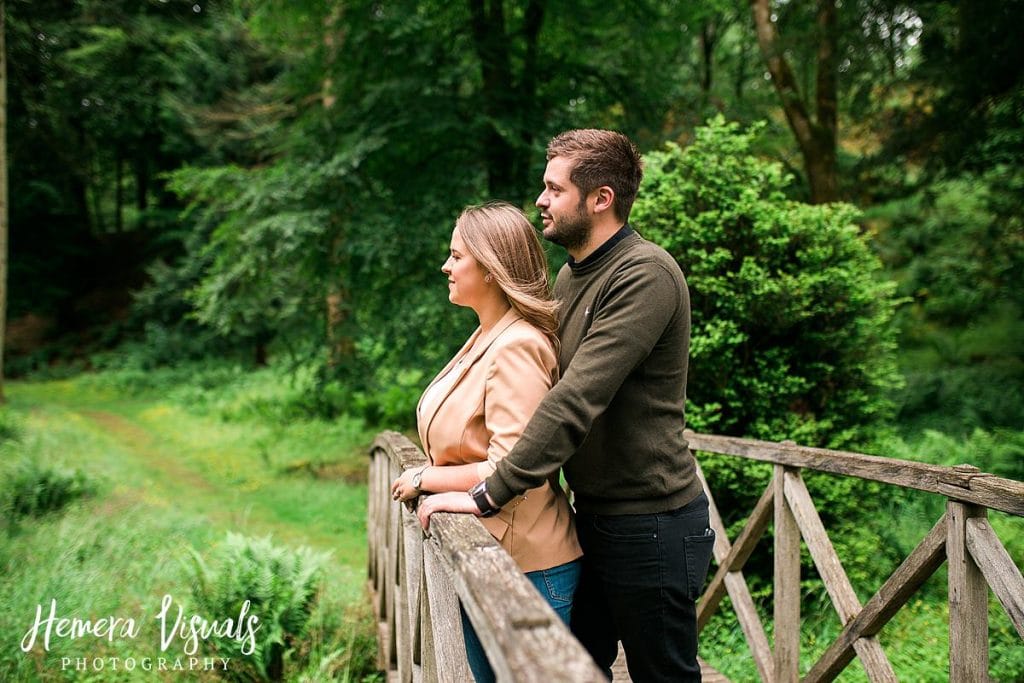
x,y
474,411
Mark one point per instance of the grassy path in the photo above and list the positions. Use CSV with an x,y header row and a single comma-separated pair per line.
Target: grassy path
x,y
169,481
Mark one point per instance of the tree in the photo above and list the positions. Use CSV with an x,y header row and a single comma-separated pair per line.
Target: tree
x,y
3,192
816,135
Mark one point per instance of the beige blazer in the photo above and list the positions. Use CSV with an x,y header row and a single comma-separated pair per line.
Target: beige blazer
x,y
499,380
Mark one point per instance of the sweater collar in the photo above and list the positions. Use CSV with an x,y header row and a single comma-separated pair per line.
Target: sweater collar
x,y
595,256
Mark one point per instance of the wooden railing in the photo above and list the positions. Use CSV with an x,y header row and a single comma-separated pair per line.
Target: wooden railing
x,y
962,536
417,582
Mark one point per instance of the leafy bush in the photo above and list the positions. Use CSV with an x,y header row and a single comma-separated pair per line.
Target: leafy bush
x,y
792,323
956,251
282,587
792,334
10,429
33,489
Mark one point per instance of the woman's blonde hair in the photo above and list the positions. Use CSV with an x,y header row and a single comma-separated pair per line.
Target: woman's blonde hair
x,y
504,243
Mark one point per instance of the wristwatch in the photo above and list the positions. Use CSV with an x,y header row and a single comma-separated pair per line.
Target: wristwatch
x,y
479,494
417,478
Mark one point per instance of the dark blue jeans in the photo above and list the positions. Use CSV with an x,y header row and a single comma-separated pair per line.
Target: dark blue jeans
x,y
642,575
556,585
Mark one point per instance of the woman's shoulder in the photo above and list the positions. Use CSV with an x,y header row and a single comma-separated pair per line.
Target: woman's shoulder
x,y
523,336
523,332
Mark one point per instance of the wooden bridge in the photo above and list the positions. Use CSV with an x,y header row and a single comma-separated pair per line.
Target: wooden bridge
x,y
417,582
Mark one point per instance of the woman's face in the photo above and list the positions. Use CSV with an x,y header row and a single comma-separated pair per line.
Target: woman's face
x,y
466,285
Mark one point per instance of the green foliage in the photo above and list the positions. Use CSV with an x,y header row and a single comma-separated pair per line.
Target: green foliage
x,y
32,489
282,587
10,428
792,335
791,321
956,248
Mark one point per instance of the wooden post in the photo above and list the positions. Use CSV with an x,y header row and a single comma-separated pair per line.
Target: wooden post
x,y
968,600
787,584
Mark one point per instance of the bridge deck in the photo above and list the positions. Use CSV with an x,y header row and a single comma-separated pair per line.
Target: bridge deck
x,y
708,674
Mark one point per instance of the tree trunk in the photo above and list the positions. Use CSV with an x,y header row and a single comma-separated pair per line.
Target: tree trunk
x,y
119,193
708,38
142,176
508,103
816,137
340,346
3,192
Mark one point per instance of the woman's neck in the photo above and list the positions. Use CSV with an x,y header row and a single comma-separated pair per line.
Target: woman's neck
x,y
491,311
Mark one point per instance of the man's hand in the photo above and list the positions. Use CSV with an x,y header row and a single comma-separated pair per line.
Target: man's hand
x,y
454,501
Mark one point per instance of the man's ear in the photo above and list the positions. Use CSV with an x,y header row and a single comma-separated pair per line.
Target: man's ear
x,y
604,199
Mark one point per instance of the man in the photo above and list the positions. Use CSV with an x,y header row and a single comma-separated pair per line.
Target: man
x,y
615,420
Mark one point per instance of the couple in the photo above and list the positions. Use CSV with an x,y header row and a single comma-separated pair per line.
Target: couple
x,y
497,423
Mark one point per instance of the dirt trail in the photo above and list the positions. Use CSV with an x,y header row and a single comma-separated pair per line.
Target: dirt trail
x,y
223,505
141,442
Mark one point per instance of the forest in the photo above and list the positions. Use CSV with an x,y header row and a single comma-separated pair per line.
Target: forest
x,y
220,252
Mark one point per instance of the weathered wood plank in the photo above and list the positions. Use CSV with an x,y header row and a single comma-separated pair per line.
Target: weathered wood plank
x,y
963,483
894,593
841,592
729,578
732,558
1003,576
524,638
447,660
787,585
968,600
750,624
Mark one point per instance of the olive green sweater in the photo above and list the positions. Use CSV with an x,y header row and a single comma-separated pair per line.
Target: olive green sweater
x,y
615,420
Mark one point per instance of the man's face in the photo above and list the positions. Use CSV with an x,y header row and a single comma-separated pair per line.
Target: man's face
x,y
562,207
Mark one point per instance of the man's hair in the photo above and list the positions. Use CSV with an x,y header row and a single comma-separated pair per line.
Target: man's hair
x,y
602,157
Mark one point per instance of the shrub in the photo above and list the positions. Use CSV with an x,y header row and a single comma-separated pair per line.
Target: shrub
x,y
792,332
33,489
792,323
955,248
10,429
282,587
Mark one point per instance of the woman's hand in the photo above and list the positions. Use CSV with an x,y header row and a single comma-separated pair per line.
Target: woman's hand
x,y
453,501
402,489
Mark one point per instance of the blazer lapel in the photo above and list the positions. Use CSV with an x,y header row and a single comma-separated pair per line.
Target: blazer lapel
x,y
468,355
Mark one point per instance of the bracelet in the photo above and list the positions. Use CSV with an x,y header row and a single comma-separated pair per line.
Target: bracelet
x,y
479,494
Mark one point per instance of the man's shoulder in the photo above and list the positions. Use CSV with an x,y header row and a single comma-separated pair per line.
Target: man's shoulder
x,y
641,253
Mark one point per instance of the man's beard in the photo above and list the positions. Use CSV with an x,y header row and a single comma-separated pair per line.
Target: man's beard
x,y
573,232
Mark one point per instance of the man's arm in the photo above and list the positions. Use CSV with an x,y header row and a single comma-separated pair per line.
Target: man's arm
x,y
629,320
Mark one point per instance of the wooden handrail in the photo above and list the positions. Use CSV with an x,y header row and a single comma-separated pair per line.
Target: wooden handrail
x,y
965,483
962,537
418,582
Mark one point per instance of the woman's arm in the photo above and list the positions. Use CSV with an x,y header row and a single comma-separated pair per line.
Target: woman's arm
x,y
436,479
518,377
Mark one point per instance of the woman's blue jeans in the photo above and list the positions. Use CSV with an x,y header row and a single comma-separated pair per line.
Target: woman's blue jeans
x,y
556,585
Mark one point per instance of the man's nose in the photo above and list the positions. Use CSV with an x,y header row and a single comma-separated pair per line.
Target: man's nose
x,y
542,200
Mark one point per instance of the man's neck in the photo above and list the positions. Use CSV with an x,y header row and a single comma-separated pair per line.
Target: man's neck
x,y
598,236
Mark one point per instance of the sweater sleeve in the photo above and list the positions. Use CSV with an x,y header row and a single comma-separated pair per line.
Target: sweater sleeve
x,y
519,376
630,317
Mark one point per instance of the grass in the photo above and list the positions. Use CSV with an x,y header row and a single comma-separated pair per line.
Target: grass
x,y
171,473
175,459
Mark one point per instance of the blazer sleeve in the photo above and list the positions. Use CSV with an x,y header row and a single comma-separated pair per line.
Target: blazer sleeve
x,y
520,374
